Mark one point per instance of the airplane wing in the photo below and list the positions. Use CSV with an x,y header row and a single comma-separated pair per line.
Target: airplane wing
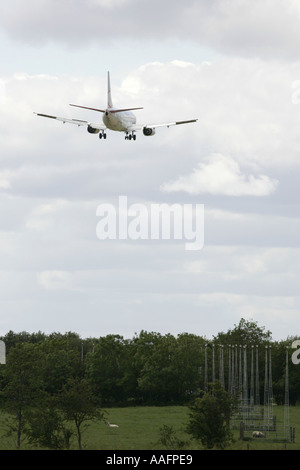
x,y
154,126
78,122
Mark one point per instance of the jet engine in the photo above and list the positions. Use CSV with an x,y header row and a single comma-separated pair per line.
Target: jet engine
x,y
92,130
148,131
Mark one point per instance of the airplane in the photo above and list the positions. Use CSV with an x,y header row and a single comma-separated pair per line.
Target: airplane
x,y
115,119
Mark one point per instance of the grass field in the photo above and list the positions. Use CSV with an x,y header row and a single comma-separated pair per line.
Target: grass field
x,y
139,430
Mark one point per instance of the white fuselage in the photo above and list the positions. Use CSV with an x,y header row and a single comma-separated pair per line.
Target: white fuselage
x,y
119,121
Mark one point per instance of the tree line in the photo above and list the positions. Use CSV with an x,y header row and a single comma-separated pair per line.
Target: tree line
x,y
149,369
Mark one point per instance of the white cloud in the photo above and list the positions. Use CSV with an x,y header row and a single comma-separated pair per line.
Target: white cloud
x,y
275,313
246,271
2,92
222,175
44,217
53,177
109,4
50,208
233,99
261,28
264,28
4,180
52,280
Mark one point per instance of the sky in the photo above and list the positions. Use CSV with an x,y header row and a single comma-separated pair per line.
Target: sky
x,y
232,64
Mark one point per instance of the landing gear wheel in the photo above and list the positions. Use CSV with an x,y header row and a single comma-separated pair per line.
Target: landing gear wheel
x,y
131,136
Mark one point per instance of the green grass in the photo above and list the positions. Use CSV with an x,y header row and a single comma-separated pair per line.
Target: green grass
x,y
139,430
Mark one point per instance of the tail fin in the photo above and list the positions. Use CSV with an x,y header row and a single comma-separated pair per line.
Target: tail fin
x,y
109,100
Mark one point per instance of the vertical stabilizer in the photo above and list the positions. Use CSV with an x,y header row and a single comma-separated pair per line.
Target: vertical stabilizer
x,y
109,100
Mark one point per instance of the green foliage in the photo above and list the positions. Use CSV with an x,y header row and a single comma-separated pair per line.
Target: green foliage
x,y
170,374
139,430
149,369
61,360
169,440
245,333
108,368
210,417
78,404
24,387
279,370
46,427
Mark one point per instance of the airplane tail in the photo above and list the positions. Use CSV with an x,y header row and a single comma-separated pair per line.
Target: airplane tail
x,y
109,102
109,99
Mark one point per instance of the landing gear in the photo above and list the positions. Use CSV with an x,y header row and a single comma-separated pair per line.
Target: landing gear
x,y
131,136
102,135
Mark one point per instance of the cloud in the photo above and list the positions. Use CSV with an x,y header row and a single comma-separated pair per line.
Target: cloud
x,y
247,28
233,99
276,313
54,279
109,4
221,175
53,177
4,180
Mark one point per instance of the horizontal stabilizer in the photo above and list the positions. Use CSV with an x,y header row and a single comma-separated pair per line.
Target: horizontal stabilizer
x,y
85,107
104,110
121,110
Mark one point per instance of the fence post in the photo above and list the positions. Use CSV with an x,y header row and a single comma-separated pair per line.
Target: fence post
x,y
242,427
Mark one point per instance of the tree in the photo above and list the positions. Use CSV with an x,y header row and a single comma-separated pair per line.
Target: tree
x,y
47,428
61,360
170,371
279,351
77,403
106,368
245,333
188,358
210,417
12,339
157,380
24,386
